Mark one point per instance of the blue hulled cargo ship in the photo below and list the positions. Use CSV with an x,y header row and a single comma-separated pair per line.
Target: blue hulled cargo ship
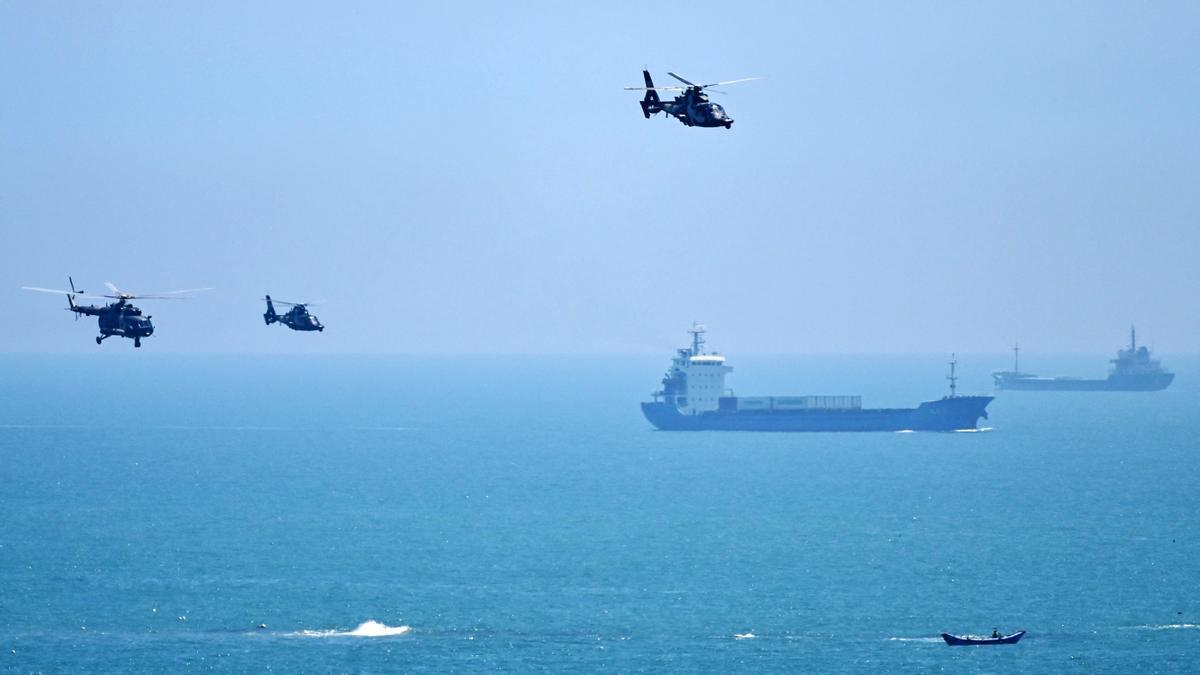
x,y
693,398
1132,370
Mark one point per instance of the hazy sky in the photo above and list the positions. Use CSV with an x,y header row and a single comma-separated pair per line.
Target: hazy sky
x,y
471,177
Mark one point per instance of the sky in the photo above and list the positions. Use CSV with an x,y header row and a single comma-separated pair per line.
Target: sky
x,y
471,177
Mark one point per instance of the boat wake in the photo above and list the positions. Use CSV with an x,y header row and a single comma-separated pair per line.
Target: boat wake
x,y
976,430
914,639
218,427
744,636
366,629
1168,626
43,426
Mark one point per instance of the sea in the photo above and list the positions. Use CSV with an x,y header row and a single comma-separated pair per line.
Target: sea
x,y
390,513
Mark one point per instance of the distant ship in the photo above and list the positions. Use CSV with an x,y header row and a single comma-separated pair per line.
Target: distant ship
x,y
693,398
1133,370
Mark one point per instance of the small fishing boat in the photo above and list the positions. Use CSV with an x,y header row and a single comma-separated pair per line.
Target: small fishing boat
x,y
994,639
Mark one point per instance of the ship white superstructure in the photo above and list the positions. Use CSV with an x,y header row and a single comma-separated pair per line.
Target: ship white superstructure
x,y
696,381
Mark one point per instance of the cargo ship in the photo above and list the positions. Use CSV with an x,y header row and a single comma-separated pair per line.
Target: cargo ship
x,y
1132,370
693,398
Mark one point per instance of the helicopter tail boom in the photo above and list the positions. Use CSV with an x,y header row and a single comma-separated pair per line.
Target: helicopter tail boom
x,y
270,317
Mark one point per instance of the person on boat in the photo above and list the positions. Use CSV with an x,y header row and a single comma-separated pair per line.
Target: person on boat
x,y
995,633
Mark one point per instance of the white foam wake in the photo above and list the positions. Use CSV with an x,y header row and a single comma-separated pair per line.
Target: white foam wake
x,y
744,636
1169,626
915,639
364,629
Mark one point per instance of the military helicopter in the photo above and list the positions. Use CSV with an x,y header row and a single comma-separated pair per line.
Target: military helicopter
x,y
118,318
692,107
296,318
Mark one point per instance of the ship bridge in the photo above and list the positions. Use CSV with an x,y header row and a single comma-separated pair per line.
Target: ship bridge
x,y
696,381
704,383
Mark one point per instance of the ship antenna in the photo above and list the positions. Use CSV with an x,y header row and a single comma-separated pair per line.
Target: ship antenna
x,y
1132,338
697,332
952,377
1017,357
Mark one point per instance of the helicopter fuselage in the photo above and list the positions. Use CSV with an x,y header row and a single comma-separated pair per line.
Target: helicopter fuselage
x,y
693,109
119,319
296,318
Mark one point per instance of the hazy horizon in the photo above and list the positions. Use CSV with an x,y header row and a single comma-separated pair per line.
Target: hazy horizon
x,y
916,179
1004,357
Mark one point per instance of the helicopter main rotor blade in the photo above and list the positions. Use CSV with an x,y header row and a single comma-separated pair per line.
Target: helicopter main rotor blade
x,y
174,295
293,304
718,84
169,295
187,290
78,294
690,84
48,290
654,88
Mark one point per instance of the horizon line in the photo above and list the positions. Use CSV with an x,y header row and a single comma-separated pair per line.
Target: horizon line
x,y
564,353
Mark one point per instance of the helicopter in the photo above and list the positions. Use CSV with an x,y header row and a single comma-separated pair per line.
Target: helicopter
x,y
119,318
296,318
692,107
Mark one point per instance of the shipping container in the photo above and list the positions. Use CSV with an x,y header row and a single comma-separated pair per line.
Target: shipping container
x,y
799,403
754,403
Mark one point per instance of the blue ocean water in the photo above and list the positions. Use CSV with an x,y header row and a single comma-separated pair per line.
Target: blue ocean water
x,y
517,513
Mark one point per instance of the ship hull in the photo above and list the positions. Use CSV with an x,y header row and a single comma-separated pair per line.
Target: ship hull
x,y
1148,383
948,414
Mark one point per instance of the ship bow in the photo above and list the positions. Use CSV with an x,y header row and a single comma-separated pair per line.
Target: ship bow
x,y
953,413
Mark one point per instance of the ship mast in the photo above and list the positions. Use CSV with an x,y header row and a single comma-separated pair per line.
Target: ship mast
x,y
697,332
1016,358
1132,338
952,377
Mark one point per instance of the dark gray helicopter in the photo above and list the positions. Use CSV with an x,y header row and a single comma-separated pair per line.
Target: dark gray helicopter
x,y
692,107
118,318
296,318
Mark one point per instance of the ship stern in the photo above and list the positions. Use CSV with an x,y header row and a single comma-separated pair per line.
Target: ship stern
x,y
666,417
